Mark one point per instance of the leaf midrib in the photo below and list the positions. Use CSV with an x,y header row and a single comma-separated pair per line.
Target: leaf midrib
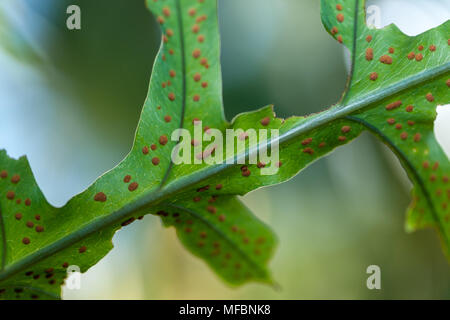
x,y
183,92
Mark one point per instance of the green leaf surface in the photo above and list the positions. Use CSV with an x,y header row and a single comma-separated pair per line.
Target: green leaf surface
x,y
39,241
404,120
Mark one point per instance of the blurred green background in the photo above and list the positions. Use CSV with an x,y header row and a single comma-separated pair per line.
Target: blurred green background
x,y
78,94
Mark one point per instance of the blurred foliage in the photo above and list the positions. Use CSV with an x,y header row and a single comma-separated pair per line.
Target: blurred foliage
x,y
15,43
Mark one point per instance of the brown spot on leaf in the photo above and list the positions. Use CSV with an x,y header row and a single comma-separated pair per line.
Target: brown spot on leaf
x,y
15,178
386,59
346,129
133,186
307,141
163,140
166,11
196,53
197,77
192,12
100,197
155,161
394,105
369,54
246,173
435,166
205,188
265,121
211,209
201,18
260,164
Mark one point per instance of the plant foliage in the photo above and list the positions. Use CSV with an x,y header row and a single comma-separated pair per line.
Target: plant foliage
x,y
395,84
